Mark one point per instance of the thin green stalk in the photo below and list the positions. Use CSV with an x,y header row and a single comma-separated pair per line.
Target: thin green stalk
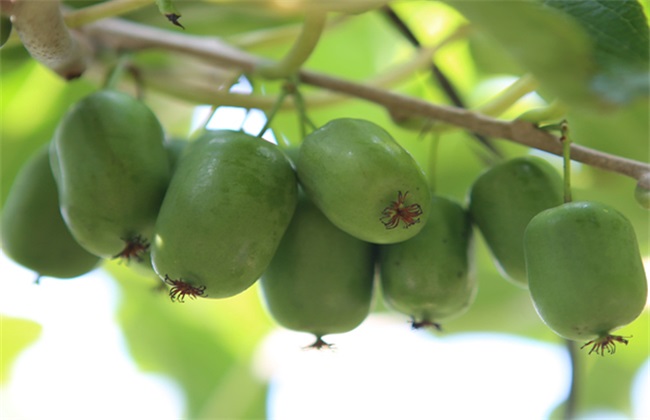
x,y
303,47
276,107
432,161
270,37
566,155
554,111
116,74
89,14
302,114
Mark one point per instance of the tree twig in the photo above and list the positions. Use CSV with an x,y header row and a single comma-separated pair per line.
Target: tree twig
x,y
438,75
121,34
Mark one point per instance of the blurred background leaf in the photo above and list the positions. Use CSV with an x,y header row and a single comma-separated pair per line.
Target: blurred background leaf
x,y
17,335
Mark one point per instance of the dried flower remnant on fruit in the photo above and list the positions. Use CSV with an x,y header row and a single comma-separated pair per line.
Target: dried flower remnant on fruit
x,y
180,289
319,344
606,343
416,325
399,211
173,18
135,248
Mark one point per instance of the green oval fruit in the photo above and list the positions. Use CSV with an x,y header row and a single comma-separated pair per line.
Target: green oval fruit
x,y
430,277
364,181
229,202
320,279
585,273
504,199
143,264
112,171
33,232
175,148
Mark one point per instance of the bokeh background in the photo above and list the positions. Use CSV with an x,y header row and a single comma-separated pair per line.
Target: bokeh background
x,y
110,345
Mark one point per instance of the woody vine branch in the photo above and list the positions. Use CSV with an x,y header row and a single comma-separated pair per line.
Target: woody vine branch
x,y
124,35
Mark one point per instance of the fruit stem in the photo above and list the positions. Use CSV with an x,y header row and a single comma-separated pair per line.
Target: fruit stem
x,y
276,107
432,160
117,72
301,50
566,155
301,107
554,111
260,39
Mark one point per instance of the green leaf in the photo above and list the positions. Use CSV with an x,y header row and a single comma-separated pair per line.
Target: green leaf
x,y
201,344
17,335
546,42
618,29
619,32
591,54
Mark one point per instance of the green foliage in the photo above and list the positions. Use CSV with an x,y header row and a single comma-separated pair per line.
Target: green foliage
x,y
203,346
569,52
17,335
550,45
621,52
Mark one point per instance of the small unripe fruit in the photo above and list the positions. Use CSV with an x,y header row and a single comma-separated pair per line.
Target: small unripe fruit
x,y
585,273
504,199
112,171
320,279
429,277
364,181
229,203
33,232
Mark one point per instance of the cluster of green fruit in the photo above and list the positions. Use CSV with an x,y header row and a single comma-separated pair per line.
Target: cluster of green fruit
x,y
212,216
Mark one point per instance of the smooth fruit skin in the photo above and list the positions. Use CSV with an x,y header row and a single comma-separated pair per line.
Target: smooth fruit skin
x,y
5,29
355,172
320,279
585,273
175,148
430,277
33,232
112,170
504,199
229,203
